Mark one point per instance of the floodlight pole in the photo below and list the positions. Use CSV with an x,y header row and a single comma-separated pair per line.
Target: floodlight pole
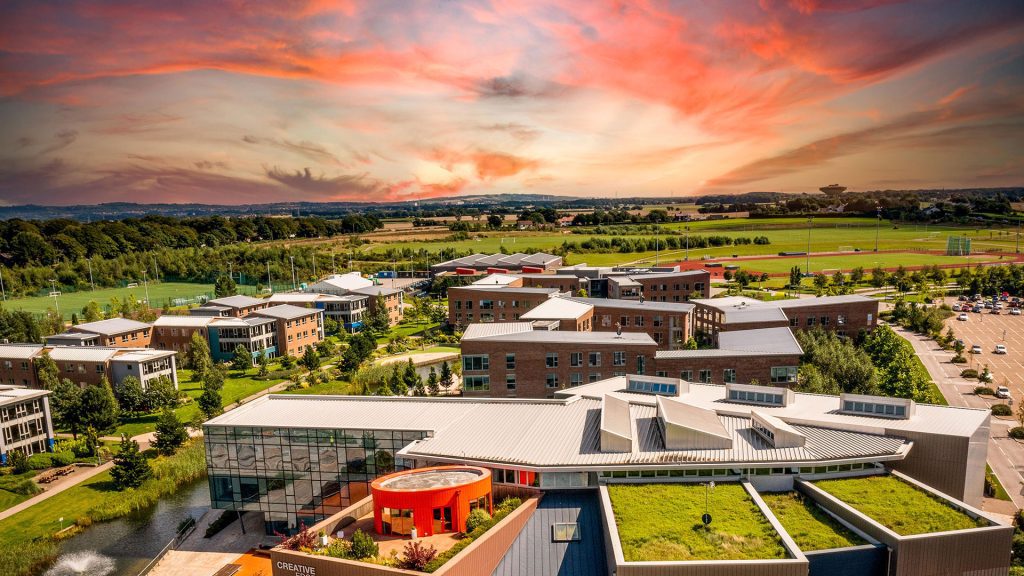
x,y
145,283
53,292
270,283
687,243
878,222
294,285
810,223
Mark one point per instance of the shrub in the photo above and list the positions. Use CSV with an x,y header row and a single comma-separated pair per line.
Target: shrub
x,y
19,485
507,505
337,549
1017,433
1001,410
363,546
477,518
958,359
305,539
416,556
17,460
984,390
969,373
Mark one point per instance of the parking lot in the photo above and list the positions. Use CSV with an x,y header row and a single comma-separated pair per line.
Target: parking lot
x,y
987,330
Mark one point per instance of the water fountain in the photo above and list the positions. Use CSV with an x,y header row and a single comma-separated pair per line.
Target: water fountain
x,y
88,562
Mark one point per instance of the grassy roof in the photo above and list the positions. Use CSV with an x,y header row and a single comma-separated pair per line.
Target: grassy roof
x,y
809,526
663,522
897,505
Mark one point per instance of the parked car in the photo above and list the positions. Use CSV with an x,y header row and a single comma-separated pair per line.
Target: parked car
x,y
1002,392
976,309
956,307
962,298
1000,349
1015,312
976,349
995,311
962,317
988,304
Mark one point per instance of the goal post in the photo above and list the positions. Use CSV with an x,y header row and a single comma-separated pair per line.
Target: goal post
x,y
958,246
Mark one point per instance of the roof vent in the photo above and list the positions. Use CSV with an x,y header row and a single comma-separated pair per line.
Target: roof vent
x,y
880,406
616,425
656,385
688,427
760,395
775,431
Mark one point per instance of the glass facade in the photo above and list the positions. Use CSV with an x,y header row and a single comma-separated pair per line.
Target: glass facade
x,y
297,475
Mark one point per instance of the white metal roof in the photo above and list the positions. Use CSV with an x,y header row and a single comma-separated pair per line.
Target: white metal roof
x,y
524,332
111,326
557,309
619,303
285,311
822,300
82,353
142,355
496,280
677,413
15,394
349,281
178,320
377,289
300,297
236,301
19,351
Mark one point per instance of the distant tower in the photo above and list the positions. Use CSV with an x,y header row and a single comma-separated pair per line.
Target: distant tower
x,y
832,189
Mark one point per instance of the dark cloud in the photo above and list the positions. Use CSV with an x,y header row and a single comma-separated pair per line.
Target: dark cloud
x,y
62,140
352,186
309,150
209,165
516,86
23,142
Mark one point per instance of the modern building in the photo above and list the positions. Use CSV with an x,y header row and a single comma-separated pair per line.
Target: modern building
x,y
500,263
493,302
235,306
667,322
845,315
348,311
174,332
299,458
296,328
340,284
673,286
257,334
514,359
769,356
86,365
392,299
119,332
428,501
564,313
25,421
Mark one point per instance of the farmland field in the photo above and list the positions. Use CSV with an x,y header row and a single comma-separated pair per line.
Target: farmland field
x,y
70,302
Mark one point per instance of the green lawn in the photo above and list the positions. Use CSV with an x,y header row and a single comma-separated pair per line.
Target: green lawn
x,y
897,505
1001,493
663,522
337,388
236,386
809,526
71,302
407,329
8,499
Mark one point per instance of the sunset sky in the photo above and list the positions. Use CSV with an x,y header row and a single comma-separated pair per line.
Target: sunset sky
x,y
236,102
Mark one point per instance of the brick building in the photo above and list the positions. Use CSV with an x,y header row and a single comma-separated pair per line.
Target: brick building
x,y
674,286
25,422
174,332
16,364
493,303
296,327
513,360
485,263
666,322
348,310
391,297
117,332
84,365
566,313
565,283
767,356
234,306
845,315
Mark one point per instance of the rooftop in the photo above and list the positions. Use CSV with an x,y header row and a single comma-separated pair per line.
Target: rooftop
x,y
349,281
378,289
524,332
177,320
142,355
619,303
497,279
19,351
72,336
558,309
757,342
285,311
236,301
302,297
14,394
83,353
431,478
811,527
111,326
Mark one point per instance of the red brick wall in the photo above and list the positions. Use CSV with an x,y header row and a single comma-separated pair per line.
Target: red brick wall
x,y
17,375
82,373
675,289
460,315
849,318
531,368
605,318
748,368
294,335
562,283
134,339
175,338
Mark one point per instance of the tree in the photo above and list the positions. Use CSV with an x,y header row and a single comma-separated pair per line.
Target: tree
x,y
794,277
19,326
52,322
363,546
66,404
378,320
857,275
198,357
242,359
879,277
161,394
411,379
494,221
131,468
170,432
224,287
91,312
46,369
820,281
331,326
446,376
310,359
99,406
130,396
396,382
433,388
74,319
18,461
210,402
263,361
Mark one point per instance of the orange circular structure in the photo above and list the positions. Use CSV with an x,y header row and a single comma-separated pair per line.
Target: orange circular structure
x,y
433,500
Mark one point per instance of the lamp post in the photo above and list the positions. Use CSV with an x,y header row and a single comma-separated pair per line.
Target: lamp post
x,y
91,283
145,283
687,242
294,284
878,223
810,224
53,292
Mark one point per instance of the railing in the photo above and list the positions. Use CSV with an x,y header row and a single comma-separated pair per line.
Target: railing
x,y
179,537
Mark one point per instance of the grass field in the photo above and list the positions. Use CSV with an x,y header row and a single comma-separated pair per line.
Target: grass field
x,y
71,302
662,522
868,261
810,527
897,505
236,387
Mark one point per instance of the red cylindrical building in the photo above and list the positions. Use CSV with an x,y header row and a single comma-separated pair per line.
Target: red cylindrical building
x,y
434,500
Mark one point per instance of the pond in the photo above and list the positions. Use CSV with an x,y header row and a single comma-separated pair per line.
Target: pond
x,y
124,546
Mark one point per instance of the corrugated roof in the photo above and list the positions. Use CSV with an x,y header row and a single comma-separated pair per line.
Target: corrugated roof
x,y
285,311
349,281
558,309
778,340
524,332
534,554
303,297
82,353
496,280
823,300
72,336
15,394
142,355
111,326
19,351
236,301
377,289
659,275
618,303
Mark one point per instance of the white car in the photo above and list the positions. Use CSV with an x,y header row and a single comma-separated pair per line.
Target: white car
x,y
1000,349
976,349
1014,311
962,317
1002,392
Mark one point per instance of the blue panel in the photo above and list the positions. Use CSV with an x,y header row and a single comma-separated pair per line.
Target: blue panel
x,y
215,345
859,561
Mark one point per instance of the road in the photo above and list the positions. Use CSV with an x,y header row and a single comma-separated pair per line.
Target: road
x,y
1005,455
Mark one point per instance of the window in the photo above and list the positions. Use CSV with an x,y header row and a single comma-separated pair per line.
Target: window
x,y
793,322
624,321
641,364
595,359
618,358
486,304
552,381
729,375
783,374
757,397
875,408
594,377
575,379
476,383
657,321
510,381
841,320
475,362
810,321
639,321
824,320
565,532
576,359
705,376
551,360
686,375
510,361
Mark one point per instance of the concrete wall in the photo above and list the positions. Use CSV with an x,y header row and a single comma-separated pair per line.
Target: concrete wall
x,y
483,555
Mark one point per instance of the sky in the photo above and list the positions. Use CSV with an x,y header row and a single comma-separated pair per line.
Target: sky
x,y
240,102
